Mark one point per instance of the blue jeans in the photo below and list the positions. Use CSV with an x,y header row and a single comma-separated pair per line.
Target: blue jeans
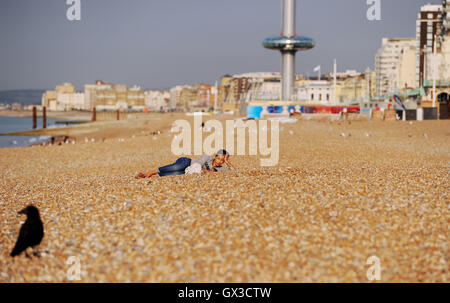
x,y
176,168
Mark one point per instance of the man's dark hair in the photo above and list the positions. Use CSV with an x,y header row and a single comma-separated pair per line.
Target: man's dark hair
x,y
222,152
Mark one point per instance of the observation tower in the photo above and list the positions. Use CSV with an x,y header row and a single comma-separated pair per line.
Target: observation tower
x,y
288,43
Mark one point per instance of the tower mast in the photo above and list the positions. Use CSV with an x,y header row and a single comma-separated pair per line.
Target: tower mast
x,y
288,44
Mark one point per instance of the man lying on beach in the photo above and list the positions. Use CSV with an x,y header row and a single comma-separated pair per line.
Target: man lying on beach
x,y
207,163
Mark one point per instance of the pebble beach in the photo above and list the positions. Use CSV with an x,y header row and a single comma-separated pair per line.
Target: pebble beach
x,y
342,191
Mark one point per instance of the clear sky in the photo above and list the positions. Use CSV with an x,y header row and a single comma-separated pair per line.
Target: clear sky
x,y
161,43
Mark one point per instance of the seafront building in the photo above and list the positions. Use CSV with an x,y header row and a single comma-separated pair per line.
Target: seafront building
x,y
416,69
316,91
433,38
351,87
63,98
433,57
264,85
387,61
204,96
358,89
401,64
101,95
444,62
405,71
90,93
188,98
198,97
156,100
175,96
107,96
429,27
237,87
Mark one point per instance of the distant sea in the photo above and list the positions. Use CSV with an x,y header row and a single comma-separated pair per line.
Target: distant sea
x,y
17,124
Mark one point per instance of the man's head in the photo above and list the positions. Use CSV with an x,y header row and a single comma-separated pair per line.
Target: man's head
x,y
220,157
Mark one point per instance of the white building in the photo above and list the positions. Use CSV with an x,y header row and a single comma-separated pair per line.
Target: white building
x,y
265,89
90,93
428,28
134,96
386,62
63,98
446,21
437,66
156,100
312,91
259,75
316,91
175,94
67,102
405,70
215,95
445,60
348,73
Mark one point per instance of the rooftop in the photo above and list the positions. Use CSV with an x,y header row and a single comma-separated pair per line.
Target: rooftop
x,y
431,8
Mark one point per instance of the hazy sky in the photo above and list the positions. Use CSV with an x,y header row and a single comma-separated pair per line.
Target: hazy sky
x,y
161,43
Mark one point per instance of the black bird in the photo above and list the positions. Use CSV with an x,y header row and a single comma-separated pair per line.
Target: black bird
x,y
31,232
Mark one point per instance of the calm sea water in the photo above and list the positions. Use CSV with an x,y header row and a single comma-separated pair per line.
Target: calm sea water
x,y
16,124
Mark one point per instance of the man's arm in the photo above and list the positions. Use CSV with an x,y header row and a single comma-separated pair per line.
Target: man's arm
x,y
230,166
146,175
